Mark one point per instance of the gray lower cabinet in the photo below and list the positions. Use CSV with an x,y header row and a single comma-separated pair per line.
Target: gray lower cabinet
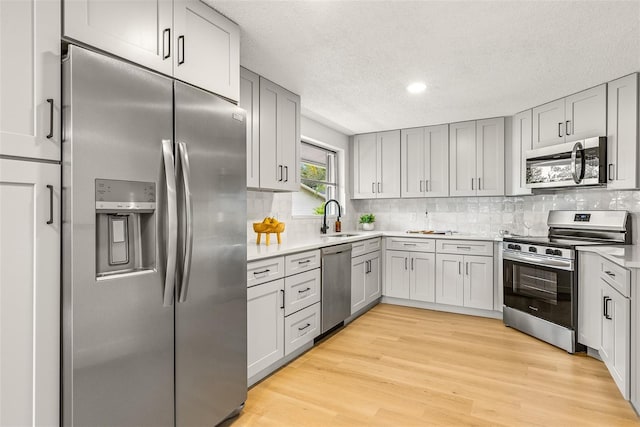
x,y
615,335
283,309
265,325
365,280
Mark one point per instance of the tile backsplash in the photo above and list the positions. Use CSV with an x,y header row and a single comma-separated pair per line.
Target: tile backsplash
x,y
477,215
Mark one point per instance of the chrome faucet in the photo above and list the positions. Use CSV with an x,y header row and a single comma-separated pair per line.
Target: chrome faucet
x,y
325,227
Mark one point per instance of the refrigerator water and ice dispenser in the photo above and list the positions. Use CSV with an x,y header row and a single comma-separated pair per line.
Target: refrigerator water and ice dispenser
x,y
125,227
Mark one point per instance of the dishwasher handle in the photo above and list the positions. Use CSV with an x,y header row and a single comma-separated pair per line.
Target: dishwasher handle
x,y
332,250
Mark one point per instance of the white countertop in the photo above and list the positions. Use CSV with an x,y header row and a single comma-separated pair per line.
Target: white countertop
x,y
298,244
625,256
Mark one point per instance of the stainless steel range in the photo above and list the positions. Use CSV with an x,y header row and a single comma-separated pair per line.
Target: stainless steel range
x,y
541,273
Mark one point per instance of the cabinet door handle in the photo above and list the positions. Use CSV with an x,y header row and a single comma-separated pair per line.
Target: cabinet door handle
x,y
50,134
180,50
610,177
472,184
426,185
466,268
566,127
281,174
421,186
606,308
459,268
368,267
560,135
373,187
479,183
405,263
379,187
50,187
166,43
286,174
282,290
412,263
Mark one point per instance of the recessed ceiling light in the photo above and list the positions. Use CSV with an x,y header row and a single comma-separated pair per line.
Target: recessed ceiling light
x,y
416,87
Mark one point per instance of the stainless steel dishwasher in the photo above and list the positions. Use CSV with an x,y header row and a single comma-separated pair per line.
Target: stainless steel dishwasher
x,y
336,285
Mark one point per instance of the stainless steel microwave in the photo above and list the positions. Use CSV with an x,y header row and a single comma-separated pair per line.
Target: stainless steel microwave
x,y
572,164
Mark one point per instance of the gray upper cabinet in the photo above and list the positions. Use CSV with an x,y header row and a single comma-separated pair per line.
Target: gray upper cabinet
x,y
140,31
279,138
425,162
462,159
622,133
476,158
30,79
515,149
376,165
581,115
207,48
250,102
181,38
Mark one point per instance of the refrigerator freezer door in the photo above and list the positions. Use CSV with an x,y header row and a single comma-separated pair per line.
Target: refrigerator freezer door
x,y
117,336
211,316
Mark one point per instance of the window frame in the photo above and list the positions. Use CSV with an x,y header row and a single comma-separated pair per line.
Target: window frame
x,y
335,188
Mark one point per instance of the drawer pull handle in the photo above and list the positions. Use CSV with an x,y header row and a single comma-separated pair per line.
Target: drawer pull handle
x,y
304,290
533,308
466,248
306,261
410,244
255,273
304,327
609,273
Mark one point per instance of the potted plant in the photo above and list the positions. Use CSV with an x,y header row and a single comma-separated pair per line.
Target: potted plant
x,y
367,221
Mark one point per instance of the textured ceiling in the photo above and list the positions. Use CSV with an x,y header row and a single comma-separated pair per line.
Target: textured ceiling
x,y
350,61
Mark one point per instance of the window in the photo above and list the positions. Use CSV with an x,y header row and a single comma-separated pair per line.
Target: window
x,y
318,180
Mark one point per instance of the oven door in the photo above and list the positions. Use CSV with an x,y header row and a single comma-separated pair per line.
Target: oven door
x,y
542,287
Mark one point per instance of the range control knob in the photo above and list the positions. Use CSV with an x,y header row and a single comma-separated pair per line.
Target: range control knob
x,y
533,249
557,252
517,247
510,246
549,252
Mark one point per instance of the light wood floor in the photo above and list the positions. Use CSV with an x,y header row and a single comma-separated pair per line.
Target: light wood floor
x,y
399,366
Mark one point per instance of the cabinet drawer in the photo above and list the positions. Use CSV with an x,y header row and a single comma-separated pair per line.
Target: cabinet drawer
x,y
301,327
365,246
464,247
304,261
408,244
264,270
301,290
618,277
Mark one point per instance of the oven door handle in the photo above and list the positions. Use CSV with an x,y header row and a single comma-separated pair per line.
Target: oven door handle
x,y
541,261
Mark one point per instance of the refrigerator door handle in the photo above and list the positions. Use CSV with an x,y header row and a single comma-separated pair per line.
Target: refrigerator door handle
x,y
186,178
172,219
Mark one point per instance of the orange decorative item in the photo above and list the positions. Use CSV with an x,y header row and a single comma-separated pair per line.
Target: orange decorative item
x,y
268,226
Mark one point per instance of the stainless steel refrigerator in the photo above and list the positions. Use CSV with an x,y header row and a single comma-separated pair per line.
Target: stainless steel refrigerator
x,y
154,248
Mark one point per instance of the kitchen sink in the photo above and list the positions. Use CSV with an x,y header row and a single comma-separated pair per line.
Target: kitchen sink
x,y
341,235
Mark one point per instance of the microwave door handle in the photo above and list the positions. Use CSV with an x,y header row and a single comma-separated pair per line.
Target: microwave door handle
x,y
172,222
186,177
574,154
